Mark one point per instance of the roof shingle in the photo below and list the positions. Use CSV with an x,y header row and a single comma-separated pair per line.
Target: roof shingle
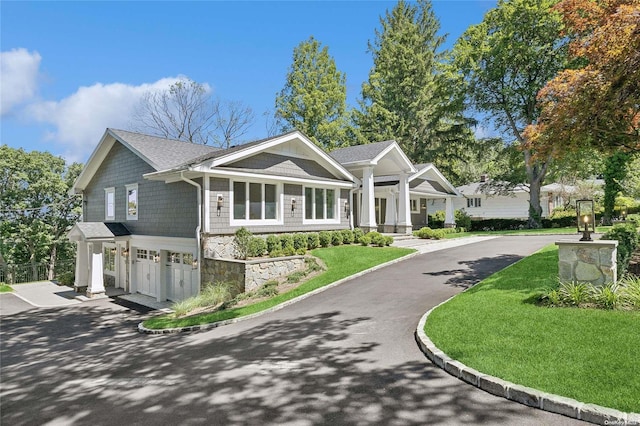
x,y
357,153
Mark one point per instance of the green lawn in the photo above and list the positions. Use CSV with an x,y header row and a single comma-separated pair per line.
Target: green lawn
x,y
341,262
588,355
5,288
544,231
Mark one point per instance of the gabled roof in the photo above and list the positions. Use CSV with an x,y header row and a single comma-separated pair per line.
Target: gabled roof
x,y
360,153
159,153
94,231
213,160
429,172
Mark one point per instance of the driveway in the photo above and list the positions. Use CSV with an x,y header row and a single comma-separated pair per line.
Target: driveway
x,y
345,356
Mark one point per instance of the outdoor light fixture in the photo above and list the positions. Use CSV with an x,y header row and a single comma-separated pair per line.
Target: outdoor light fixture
x,y
624,215
293,206
219,203
195,264
346,208
586,219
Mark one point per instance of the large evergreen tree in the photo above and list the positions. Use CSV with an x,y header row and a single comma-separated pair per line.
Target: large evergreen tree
x,y
506,60
314,97
409,96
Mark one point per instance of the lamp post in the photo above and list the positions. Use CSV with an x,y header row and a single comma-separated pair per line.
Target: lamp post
x,y
586,219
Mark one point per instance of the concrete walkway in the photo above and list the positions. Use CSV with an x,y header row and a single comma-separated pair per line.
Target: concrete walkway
x,y
46,294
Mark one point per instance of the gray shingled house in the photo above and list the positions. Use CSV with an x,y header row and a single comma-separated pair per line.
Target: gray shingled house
x,y
153,207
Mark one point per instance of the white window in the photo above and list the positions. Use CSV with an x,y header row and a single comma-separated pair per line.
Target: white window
x,y
255,203
132,201
415,205
474,202
109,204
320,205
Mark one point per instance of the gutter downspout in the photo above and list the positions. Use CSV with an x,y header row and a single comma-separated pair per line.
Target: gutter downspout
x,y
197,185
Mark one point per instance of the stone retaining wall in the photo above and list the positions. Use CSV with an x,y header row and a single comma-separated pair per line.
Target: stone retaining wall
x,y
587,261
250,274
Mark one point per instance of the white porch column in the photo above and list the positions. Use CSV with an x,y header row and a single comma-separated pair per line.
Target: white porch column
x,y
391,213
96,279
449,217
368,218
404,210
82,266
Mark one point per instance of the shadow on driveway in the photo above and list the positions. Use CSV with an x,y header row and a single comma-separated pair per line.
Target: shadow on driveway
x,y
89,366
475,270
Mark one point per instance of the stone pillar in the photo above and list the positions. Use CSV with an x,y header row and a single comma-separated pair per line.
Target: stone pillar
x,y
587,261
404,211
368,217
96,278
390,214
82,266
449,216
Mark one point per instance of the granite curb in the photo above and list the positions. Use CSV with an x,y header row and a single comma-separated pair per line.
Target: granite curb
x,y
202,327
532,397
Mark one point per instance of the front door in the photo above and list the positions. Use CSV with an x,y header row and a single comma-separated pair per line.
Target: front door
x,y
147,272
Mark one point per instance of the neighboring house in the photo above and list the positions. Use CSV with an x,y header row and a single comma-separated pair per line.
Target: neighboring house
x,y
154,208
480,203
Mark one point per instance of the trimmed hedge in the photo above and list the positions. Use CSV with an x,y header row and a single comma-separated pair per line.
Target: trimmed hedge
x,y
628,241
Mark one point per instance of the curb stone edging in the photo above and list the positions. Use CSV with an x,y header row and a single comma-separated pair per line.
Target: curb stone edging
x,y
532,397
202,327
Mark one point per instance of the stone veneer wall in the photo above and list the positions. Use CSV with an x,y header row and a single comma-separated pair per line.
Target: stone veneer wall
x,y
587,261
250,273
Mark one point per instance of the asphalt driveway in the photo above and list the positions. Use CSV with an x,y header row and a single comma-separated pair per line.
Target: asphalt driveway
x,y
345,356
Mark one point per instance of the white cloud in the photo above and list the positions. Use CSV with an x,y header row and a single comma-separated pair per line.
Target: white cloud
x,y
18,77
80,119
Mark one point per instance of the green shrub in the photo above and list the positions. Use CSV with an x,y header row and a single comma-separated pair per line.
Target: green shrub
x,y
628,240
388,240
365,240
313,240
66,278
498,225
295,277
608,296
301,251
268,289
257,247
336,238
347,236
312,264
463,220
277,253
273,244
286,241
377,239
211,295
435,234
631,291
325,238
436,220
300,241
357,234
634,219
288,250
241,243
574,293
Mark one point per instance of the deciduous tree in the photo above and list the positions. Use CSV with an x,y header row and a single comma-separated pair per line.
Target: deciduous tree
x,y
505,60
187,111
596,104
36,209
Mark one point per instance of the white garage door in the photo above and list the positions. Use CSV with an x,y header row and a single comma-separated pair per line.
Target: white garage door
x,y
147,272
181,276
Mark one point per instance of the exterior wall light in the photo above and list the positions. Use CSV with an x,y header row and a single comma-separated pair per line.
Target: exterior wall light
x,y
219,203
293,206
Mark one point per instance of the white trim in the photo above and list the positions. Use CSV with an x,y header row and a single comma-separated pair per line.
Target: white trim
x,y
206,204
443,179
126,201
336,207
417,202
168,178
107,191
152,242
279,220
243,153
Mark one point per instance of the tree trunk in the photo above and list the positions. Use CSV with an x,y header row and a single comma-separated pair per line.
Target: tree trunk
x,y
536,172
52,261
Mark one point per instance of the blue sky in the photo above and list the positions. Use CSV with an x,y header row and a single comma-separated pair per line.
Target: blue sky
x,y
71,69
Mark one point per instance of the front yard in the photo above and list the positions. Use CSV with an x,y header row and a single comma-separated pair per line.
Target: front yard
x,y
340,262
497,328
